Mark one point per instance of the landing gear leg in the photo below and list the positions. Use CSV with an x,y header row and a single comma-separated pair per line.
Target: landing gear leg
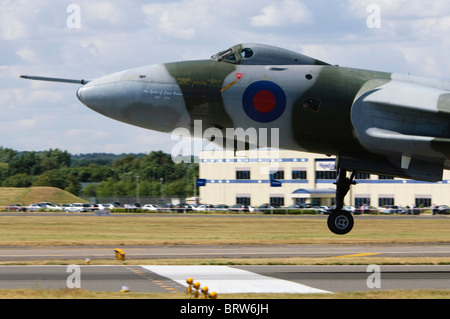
x,y
340,221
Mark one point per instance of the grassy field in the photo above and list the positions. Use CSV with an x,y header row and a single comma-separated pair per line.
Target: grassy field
x,y
86,229
176,229
85,294
26,196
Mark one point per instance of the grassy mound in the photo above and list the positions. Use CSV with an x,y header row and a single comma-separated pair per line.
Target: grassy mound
x,y
26,196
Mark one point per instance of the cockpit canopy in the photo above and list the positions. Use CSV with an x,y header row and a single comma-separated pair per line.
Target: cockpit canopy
x,y
260,54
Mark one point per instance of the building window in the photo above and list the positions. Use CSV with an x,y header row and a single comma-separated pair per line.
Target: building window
x,y
242,174
385,201
423,202
326,175
385,177
243,200
277,201
277,174
362,176
360,201
298,174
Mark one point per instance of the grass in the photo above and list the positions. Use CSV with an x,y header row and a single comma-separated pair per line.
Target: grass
x,y
85,294
299,261
175,230
26,196
85,229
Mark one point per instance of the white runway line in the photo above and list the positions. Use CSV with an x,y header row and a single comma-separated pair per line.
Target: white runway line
x,y
224,279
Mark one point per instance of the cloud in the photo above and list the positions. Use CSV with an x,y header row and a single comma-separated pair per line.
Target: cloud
x,y
15,19
401,9
86,134
117,35
282,13
181,19
26,54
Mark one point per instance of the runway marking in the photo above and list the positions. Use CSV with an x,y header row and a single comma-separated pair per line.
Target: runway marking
x,y
163,284
356,255
224,279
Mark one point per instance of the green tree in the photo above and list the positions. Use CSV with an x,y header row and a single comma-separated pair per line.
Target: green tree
x,y
51,178
90,190
73,184
18,180
54,159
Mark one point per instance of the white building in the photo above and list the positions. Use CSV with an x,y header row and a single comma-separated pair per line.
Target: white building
x,y
244,178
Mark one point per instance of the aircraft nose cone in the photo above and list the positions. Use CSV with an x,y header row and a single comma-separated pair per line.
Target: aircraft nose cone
x,y
100,98
79,95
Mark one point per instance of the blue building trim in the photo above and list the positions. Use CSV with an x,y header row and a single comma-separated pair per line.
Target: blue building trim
x,y
383,181
254,181
255,160
319,181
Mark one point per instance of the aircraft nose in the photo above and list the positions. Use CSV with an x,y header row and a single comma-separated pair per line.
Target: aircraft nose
x,y
102,95
88,97
79,94
148,97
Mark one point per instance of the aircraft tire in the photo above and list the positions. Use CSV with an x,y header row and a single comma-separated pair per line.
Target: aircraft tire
x,y
340,222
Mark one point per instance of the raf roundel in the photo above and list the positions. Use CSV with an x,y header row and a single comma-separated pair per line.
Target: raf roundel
x,y
264,101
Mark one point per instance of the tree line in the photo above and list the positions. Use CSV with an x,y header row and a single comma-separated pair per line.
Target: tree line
x,y
102,175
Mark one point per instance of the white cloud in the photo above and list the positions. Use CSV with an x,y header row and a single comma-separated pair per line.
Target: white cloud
x,y
282,13
26,54
117,35
402,9
86,134
181,19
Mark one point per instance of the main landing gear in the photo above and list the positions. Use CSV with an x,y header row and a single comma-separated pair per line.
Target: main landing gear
x,y
340,221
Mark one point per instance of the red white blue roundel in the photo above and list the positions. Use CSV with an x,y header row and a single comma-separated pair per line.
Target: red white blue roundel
x,y
264,101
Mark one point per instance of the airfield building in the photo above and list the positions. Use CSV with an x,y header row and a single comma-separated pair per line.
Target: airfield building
x,y
286,177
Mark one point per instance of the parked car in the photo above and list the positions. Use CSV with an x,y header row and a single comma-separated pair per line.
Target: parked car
x,y
107,206
221,207
204,207
35,207
73,208
16,208
441,209
322,209
242,208
50,206
350,209
182,208
299,206
392,209
151,207
266,207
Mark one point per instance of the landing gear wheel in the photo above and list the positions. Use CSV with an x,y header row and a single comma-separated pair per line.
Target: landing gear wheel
x,y
340,222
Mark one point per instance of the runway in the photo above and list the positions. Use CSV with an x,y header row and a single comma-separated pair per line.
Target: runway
x,y
226,279
145,277
222,251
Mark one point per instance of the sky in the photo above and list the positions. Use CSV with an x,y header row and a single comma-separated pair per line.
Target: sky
x,y
88,39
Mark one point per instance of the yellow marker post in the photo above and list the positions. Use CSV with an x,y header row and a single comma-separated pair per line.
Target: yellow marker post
x,y
196,287
120,254
190,282
213,295
205,292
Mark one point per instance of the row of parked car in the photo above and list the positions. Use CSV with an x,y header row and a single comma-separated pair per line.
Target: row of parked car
x,y
81,207
365,209
70,208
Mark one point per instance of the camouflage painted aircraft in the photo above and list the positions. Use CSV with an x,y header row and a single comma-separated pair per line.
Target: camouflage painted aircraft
x,y
373,122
